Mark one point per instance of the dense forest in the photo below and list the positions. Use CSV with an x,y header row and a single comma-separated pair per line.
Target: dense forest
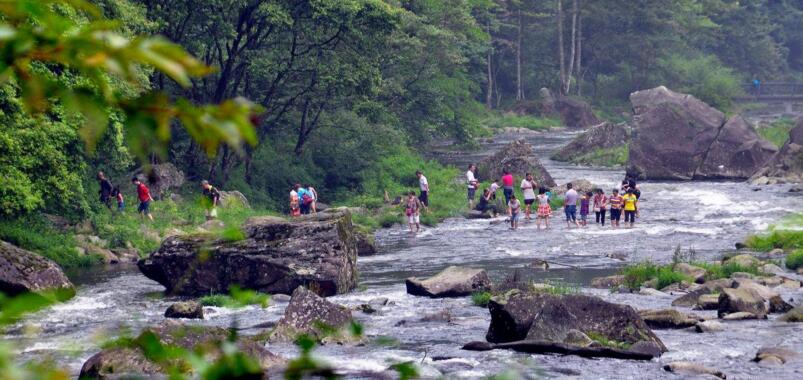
x,y
348,87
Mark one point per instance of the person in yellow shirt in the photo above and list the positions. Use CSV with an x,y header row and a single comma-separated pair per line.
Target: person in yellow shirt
x,y
630,202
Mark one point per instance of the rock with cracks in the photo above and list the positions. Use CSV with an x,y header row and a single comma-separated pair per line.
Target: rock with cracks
x,y
23,271
309,314
276,256
451,282
518,158
602,136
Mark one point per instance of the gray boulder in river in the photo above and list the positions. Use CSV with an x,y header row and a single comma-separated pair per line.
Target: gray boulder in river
x,y
306,314
275,256
787,165
519,158
602,136
451,282
679,137
23,271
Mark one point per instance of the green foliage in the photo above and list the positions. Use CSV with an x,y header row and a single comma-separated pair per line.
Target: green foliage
x,y
236,298
794,260
481,299
605,341
637,274
35,234
604,157
704,77
716,271
496,121
783,239
777,132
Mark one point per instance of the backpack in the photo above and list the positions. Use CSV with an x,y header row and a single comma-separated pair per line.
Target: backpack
x,y
306,198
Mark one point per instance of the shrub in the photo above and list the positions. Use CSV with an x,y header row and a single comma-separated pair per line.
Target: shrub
x,y
236,298
704,77
637,274
512,120
795,259
481,299
777,132
35,234
616,156
784,239
716,271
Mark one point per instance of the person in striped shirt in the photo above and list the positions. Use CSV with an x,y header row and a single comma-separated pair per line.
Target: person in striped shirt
x,y
615,201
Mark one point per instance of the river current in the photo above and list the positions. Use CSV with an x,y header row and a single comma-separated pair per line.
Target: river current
x,y
706,216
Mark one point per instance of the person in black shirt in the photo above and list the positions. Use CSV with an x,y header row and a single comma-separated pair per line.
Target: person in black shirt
x,y
105,189
211,199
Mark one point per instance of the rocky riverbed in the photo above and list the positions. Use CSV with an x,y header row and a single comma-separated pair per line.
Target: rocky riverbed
x,y
707,216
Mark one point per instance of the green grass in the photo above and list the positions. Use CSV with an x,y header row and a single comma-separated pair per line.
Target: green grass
x,y
237,298
787,234
778,131
481,299
35,234
715,271
512,120
605,341
637,274
795,259
609,157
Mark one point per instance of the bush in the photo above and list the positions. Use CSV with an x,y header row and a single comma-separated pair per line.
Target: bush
x,y
616,156
637,274
795,259
512,120
35,234
784,239
237,298
777,132
481,299
704,77
714,271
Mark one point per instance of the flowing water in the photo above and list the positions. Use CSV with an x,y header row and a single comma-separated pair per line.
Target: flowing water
x,y
706,216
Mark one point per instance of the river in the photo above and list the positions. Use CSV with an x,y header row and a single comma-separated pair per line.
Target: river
x,y
706,216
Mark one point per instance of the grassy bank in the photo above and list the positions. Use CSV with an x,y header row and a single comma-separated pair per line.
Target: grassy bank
x,y
497,120
608,157
35,234
777,132
787,235
660,276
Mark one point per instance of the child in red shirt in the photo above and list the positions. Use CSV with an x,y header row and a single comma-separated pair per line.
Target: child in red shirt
x,y
144,195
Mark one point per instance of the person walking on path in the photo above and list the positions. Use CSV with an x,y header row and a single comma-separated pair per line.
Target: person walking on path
x,y
295,209
314,193
600,201
145,199
423,185
507,185
305,199
615,201
528,189
630,202
105,190
544,209
413,212
118,195
211,199
471,183
570,206
514,210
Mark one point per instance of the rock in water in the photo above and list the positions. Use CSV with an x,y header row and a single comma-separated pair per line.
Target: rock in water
x,y
695,272
677,136
23,271
305,314
276,256
517,157
548,318
602,136
794,315
787,165
574,113
781,354
689,368
451,282
366,244
188,309
667,319
608,282
741,300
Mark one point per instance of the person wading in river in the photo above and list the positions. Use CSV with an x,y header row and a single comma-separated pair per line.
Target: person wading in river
x,y
471,183
600,201
544,210
616,208
514,211
507,185
528,189
570,206
413,212
631,207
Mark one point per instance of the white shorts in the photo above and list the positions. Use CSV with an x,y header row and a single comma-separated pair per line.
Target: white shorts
x,y
413,219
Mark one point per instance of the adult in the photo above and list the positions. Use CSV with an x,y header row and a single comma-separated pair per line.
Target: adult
x,y
211,199
471,183
145,199
106,189
304,199
528,186
423,185
507,185
615,202
600,206
570,205
311,190
485,204
630,202
295,209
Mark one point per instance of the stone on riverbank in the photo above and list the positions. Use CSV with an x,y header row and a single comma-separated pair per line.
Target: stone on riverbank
x,y
608,282
23,271
602,136
692,369
366,244
451,282
695,272
667,319
276,256
187,309
305,314
787,165
741,300
691,298
709,327
519,158
794,315
777,355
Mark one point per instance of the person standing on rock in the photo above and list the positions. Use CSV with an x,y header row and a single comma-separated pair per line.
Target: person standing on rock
x,y
630,202
544,209
314,193
615,201
528,189
600,201
423,184
211,199
507,185
105,189
295,210
144,196
514,211
305,199
413,212
471,182
570,206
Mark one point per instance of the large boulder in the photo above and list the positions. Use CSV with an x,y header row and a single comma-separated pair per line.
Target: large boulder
x,y
162,179
786,166
131,362
679,137
574,113
549,318
451,282
741,300
309,314
275,256
602,136
518,158
233,198
23,271
366,243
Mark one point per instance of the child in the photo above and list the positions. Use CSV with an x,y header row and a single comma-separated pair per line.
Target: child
x,y
513,210
412,211
494,187
584,203
616,208
600,206
117,194
544,210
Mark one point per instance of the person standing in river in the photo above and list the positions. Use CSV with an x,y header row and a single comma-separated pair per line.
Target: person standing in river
x,y
514,211
600,204
615,201
413,212
528,189
570,206
105,190
471,183
630,202
544,209
585,202
423,184
507,185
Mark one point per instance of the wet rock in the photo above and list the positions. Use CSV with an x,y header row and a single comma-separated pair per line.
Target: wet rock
x,y
778,305
188,309
276,256
381,301
739,316
541,347
678,287
714,286
667,319
366,244
647,348
771,268
764,292
23,271
608,282
777,355
769,281
476,214
692,369
519,158
577,338
709,327
602,136
549,318
794,315
790,283
305,314
695,272
652,292
451,282
786,165
440,316
744,260
741,300
365,308
740,245
707,302
118,363
233,198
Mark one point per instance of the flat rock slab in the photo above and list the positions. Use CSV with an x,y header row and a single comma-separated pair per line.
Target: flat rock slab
x,y
693,369
23,271
451,282
542,347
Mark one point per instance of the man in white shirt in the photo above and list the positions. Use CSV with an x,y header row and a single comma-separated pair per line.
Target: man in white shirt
x,y
471,182
424,185
528,189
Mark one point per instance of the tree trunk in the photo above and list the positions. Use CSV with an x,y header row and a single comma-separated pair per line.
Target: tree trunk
x,y
561,57
490,83
579,74
570,71
519,88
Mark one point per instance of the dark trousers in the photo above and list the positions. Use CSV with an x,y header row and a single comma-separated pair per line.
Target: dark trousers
x,y
600,217
508,194
630,216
